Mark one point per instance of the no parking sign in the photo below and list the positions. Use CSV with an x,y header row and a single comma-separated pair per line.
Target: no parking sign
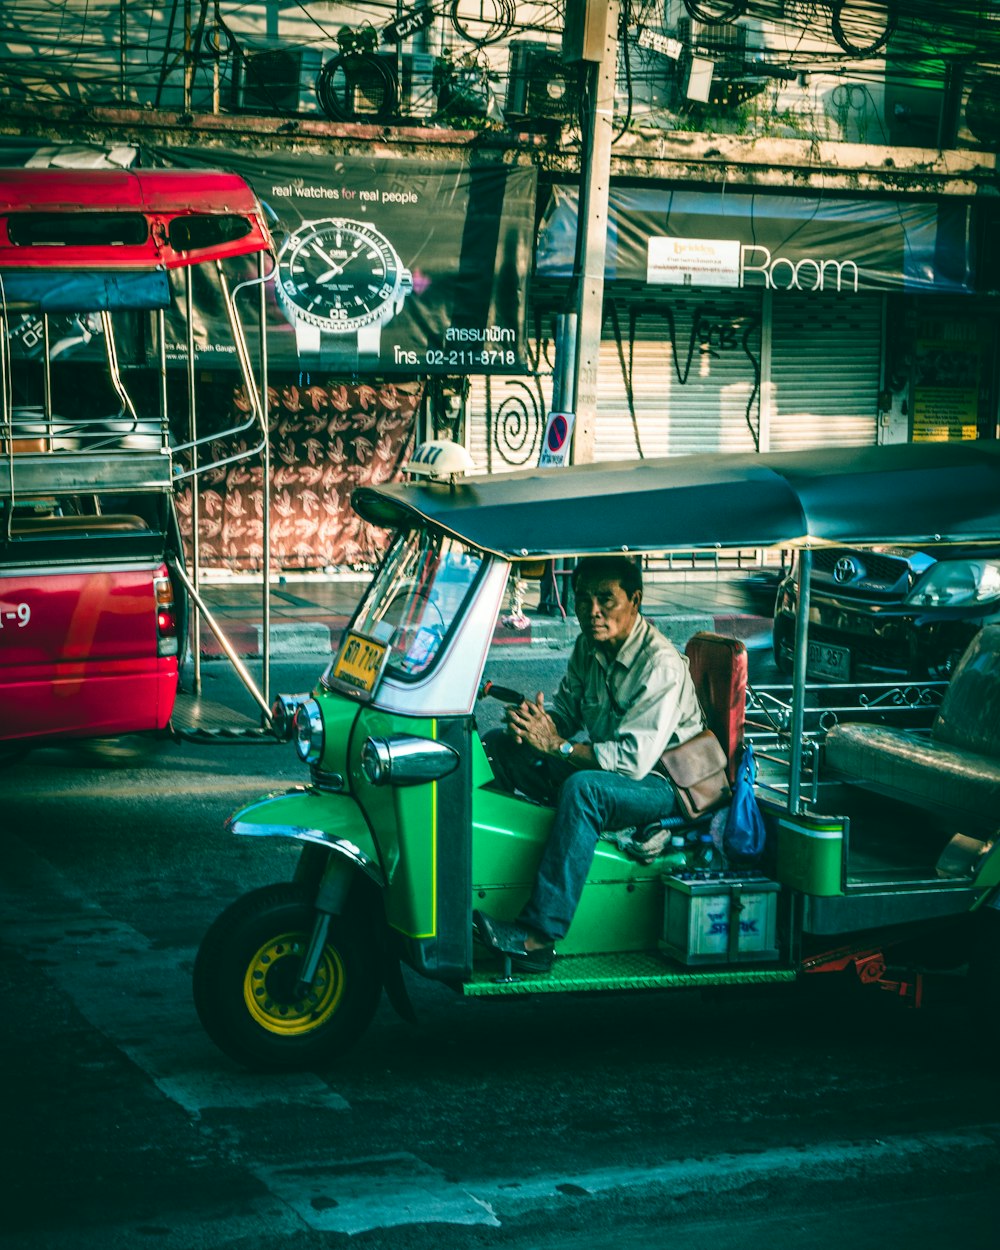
x,y
557,440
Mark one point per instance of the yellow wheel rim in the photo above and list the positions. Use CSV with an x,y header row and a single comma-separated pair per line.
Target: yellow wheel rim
x,y
271,993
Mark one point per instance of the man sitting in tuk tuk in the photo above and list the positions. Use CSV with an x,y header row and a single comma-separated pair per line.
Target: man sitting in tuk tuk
x,y
629,688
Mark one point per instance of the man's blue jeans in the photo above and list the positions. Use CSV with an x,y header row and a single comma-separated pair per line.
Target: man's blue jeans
x,y
587,802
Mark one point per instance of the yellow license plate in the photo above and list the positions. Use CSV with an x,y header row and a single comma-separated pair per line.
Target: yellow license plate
x,y
360,662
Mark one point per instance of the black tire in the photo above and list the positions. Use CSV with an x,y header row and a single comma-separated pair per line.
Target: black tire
x,y
782,640
11,752
357,87
984,972
849,41
245,976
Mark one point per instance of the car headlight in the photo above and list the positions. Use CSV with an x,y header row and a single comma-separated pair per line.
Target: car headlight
x,y
951,583
309,733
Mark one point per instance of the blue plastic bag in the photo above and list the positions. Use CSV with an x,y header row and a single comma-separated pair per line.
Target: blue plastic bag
x,y
744,835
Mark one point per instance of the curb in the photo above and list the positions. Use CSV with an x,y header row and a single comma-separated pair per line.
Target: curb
x,y
290,639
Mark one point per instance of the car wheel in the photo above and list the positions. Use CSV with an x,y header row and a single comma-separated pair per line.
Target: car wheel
x,y
781,643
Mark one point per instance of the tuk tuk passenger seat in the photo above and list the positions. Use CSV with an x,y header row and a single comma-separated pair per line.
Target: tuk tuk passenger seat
x,y
719,671
955,773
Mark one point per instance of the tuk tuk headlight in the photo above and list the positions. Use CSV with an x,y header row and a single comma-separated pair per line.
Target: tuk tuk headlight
x,y
952,583
405,760
309,733
283,711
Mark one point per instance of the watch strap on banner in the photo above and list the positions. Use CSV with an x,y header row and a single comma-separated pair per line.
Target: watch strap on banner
x,y
338,353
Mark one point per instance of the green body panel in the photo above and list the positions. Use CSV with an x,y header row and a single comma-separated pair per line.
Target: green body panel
x,y
482,773
811,854
404,821
339,715
615,972
622,903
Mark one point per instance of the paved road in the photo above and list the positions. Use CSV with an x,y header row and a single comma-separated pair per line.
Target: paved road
x,y
686,1120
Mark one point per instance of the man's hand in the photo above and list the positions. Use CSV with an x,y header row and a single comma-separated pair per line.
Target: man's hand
x,y
530,723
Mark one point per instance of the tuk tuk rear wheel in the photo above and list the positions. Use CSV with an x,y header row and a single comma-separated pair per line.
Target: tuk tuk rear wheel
x,y
246,975
984,971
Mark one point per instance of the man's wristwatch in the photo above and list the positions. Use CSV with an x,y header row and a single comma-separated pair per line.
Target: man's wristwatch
x,y
565,748
338,282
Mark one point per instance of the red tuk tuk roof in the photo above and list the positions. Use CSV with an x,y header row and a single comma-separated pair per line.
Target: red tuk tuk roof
x,y
913,493
126,219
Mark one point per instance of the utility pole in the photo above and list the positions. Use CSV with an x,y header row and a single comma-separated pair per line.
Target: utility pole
x,y
591,36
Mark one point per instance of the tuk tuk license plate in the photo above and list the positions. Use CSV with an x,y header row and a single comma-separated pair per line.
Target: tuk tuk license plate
x,y
824,660
360,662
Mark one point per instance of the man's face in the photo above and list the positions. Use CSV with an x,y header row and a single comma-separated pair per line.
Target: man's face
x,y
605,612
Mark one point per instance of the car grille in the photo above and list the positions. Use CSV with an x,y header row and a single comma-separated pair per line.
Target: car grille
x,y
883,574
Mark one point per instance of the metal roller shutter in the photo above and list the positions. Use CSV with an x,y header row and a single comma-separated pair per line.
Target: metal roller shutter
x,y
826,368
708,411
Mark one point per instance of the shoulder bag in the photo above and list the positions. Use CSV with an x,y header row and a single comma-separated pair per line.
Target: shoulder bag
x,y
697,770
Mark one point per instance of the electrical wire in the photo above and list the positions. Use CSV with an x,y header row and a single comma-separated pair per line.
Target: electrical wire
x,y
69,49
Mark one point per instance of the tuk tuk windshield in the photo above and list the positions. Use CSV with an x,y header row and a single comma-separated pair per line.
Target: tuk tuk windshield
x,y
416,597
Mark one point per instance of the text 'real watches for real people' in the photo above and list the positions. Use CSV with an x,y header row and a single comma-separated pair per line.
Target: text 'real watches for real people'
x,y
338,283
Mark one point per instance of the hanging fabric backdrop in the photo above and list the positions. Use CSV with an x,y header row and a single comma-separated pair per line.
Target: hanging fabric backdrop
x,y
325,440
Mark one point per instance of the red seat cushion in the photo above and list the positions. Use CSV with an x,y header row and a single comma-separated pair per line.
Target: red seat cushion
x,y
719,671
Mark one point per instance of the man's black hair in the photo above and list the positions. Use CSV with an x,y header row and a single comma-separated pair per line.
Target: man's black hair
x,y
627,572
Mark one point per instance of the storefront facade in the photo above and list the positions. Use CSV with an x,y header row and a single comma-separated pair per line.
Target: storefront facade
x,y
760,321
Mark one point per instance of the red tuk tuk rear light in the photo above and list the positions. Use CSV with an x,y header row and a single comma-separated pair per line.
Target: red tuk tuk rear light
x,y
166,617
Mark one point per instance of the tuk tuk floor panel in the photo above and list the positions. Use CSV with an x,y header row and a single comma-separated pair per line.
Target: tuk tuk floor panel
x,y
638,970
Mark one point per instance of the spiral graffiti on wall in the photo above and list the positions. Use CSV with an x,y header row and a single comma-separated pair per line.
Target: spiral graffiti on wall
x,y
517,424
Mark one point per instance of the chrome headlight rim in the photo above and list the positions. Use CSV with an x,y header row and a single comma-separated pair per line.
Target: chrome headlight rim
x,y
309,732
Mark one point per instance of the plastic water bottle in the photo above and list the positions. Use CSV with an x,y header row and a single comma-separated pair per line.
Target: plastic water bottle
x,y
677,857
706,857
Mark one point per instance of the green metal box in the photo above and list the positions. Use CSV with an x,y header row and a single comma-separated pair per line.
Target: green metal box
x,y
811,853
720,918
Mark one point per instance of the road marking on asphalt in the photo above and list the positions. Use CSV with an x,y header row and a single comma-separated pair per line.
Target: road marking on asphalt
x,y
51,924
383,1191
152,1019
712,1175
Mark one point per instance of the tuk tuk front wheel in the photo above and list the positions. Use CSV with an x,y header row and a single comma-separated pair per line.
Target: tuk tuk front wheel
x,y
246,981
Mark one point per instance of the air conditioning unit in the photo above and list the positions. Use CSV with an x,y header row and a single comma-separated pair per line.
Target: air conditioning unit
x,y
278,81
725,43
540,85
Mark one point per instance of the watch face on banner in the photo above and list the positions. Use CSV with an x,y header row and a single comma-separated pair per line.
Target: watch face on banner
x,y
340,275
386,267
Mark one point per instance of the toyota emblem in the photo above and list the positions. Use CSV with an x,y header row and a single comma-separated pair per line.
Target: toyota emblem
x,y
845,570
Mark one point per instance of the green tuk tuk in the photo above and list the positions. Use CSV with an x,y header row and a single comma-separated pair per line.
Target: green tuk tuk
x,y
881,855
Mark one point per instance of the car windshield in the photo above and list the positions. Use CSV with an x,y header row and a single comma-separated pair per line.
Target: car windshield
x,y
415,598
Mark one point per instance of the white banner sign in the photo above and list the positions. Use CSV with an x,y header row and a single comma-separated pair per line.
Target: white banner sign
x,y
693,262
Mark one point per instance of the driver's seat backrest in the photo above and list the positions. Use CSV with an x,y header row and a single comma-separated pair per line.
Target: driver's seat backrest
x,y
719,672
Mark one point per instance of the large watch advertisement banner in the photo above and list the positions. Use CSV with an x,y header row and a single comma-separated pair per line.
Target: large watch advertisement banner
x,y
385,267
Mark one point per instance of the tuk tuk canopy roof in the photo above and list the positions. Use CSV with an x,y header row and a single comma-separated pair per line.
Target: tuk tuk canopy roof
x,y
912,493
